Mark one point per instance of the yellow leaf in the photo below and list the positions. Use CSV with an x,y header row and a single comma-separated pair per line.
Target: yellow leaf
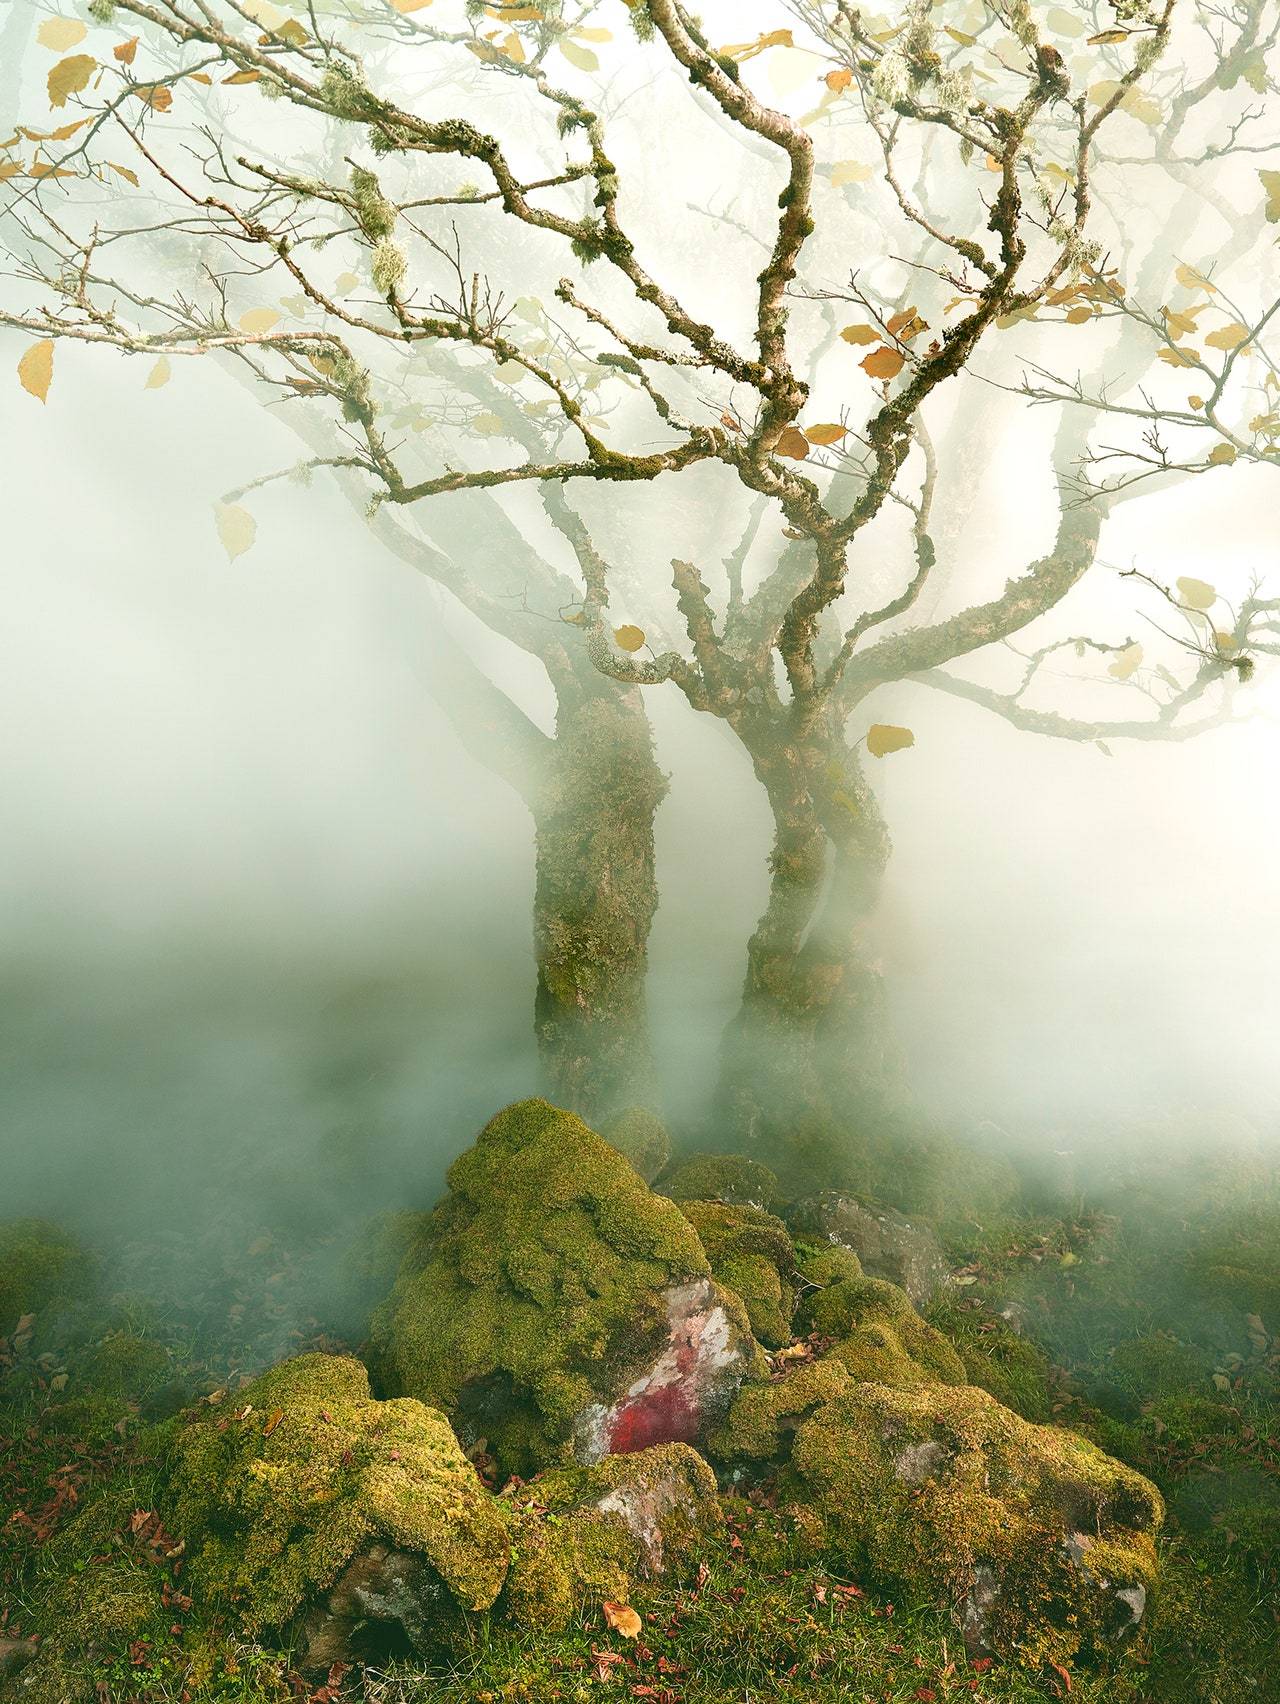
x,y
406,6
1178,357
487,424
1222,455
837,80
69,76
860,334
159,375
883,363
513,47
628,638
1077,316
258,320
1195,402
1197,594
578,55
1228,336
792,443
236,528
1127,662
242,77
1190,279
158,96
292,31
61,33
1064,23
1108,38
883,737
125,173
622,1618
850,171
594,35
273,1420
344,282
35,370
1271,183
822,435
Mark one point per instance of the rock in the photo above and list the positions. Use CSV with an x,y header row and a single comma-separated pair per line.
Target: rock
x,y
888,1244
1040,1543
590,1533
751,1254
641,1137
720,1177
557,1309
303,1495
41,1269
875,1331
764,1417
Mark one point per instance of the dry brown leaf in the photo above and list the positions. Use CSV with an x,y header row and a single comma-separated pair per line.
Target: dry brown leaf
x,y
622,1618
793,444
126,51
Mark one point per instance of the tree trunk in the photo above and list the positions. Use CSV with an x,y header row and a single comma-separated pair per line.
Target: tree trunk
x,y
810,1050
594,899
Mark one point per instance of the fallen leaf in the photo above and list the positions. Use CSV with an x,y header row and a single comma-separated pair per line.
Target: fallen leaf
x,y
273,1420
622,1618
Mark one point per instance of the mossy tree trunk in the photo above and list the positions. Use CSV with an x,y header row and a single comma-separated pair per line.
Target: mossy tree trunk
x,y
811,1040
595,898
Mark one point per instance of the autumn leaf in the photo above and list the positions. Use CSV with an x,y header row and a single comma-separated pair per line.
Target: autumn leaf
x,y
622,1618
883,737
1229,336
1222,455
1190,279
578,55
126,51
838,80
849,171
236,528
1108,38
628,638
406,6
1271,183
906,325
257,320
273,1420
129,176
59,34
883,363
860,334
69,76
1127,663
792,443
1197,594
35,370
159,375
158,96
1178,357
823,435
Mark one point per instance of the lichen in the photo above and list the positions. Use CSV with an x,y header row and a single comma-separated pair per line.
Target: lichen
x,y
751,1254
1039,1542
721,1177
540,1286
276,1489
586,1534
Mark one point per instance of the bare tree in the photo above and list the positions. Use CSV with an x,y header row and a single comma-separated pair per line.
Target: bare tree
x,y
988,152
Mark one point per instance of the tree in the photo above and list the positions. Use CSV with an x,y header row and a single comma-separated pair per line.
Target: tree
x,y
989,151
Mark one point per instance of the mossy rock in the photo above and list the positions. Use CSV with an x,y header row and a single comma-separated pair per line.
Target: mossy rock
x,y
1016,1371
641,1137
282,1487
877,1334
557,1308
764,1417
731,1178
41,1269
751,1254
887,1243
1040,1543
583,1535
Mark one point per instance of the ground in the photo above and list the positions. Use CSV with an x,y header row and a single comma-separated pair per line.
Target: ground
x,y
1144,1317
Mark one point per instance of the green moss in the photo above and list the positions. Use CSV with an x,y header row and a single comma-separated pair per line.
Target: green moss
x,y
540,1286
641,1137
1031,1533
721,1177
582,1535
277,1489
878,1335
751,1254
41,1269
1016,1371
759,1425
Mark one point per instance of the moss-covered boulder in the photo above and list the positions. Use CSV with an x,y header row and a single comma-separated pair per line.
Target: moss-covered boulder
x,y
641,1137
751,1254
888,1244
875,1331
1041,1544
557,1308
764,1418
41,1268
586,1534
303,1494
721,1177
